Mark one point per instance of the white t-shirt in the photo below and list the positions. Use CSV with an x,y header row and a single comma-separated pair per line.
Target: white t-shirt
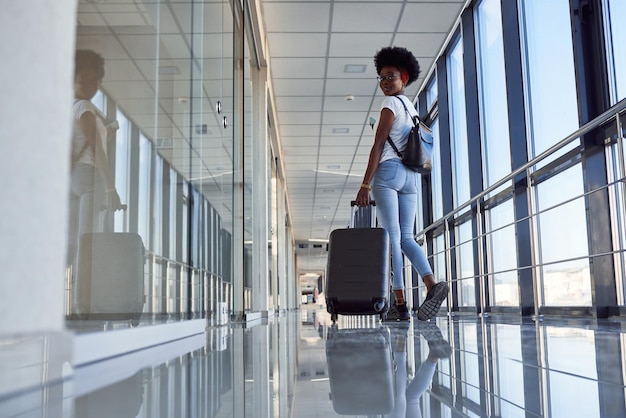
x,y
78,137
402,124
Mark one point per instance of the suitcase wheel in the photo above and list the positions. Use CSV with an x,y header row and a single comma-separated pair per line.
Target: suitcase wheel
x,y
379,304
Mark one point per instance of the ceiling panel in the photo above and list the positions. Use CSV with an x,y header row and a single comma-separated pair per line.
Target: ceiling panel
x,y
298,87
372,17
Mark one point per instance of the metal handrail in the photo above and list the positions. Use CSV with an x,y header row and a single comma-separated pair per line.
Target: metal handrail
x,y
586,128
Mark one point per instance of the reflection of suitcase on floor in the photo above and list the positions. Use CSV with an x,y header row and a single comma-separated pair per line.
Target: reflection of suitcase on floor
x,y
358,270
360,371
110,274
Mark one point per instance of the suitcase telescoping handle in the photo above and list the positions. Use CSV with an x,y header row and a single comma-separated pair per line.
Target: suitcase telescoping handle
x,y
363,217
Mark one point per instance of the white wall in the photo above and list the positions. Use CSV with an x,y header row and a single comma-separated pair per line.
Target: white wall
x,y
36,83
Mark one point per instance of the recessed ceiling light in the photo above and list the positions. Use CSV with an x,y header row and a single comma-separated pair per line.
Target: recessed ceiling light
x,y
354,68
341,130
168,69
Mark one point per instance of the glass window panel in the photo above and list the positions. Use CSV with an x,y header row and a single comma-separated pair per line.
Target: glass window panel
x,y
562,237
173,198
122,164
439,258
143,210
492,87
458,124
184,223
502,244
194,227
465,265
550,78
618,153
157,207
435,177
616,43
431,93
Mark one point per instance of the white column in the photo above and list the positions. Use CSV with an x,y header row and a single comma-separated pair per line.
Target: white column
x,y
283,251
261,371
260,198
36,80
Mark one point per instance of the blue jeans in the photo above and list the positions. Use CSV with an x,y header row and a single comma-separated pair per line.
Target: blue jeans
x,y
394,187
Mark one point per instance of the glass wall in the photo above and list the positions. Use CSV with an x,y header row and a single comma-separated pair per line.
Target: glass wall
x,y
458,124
565,272
435,175
616,47
550,79
502,255
153,209
466,288
532,235
494,119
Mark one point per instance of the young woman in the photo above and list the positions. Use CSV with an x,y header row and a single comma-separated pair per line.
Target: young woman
x,y
394,186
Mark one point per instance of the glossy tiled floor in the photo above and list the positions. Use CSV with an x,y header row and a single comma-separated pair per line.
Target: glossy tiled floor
x,y
298,365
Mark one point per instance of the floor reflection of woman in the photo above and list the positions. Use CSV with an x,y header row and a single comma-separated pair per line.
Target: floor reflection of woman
x,y
408,394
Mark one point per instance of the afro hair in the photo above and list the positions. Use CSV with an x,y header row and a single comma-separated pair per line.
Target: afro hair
x,y
399,57
88,60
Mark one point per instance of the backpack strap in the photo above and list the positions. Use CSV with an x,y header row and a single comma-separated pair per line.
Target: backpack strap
x,y
416,122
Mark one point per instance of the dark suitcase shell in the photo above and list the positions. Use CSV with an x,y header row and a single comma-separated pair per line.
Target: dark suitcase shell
x,y
358,272
360,371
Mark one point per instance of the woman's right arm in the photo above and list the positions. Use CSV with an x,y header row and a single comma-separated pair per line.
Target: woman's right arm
x,y
89,128
382,132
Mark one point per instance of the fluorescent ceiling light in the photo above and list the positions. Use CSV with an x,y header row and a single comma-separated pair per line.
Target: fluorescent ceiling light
x,y
317,240
341,130
338,173
168,69
354,68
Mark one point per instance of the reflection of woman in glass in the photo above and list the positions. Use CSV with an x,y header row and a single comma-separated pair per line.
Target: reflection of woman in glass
x,y
92,187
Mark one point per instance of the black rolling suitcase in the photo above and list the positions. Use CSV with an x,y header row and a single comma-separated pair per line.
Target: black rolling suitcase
x,y
358,267
109,277
360,371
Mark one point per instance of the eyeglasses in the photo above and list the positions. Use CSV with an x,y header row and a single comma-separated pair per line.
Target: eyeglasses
x,y
390,77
